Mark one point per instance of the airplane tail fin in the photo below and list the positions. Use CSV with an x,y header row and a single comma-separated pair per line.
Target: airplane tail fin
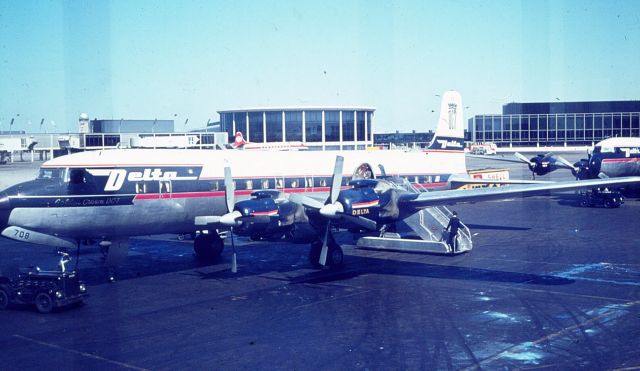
x,y
449,133
238,141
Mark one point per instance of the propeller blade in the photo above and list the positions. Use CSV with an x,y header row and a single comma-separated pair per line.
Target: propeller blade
x,y
362,221
565,163
336,181
305,200
234,263
229,189
230,219
522,158
325,246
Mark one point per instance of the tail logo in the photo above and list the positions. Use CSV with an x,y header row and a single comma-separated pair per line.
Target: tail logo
x,y
452,115
444,143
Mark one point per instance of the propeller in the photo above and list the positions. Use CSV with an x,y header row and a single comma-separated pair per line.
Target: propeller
x,y
230,218
544,164
336,183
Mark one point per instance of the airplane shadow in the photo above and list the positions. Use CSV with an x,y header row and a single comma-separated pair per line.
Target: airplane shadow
x,y
379,266
357,266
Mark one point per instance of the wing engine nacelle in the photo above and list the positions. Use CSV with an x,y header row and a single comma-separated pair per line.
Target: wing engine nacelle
x,y
265,215
361,199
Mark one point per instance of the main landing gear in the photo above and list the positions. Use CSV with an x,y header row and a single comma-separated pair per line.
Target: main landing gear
x,y
208,246
335,256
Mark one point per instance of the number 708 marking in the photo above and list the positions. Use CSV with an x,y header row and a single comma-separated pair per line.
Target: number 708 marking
x,y
21,234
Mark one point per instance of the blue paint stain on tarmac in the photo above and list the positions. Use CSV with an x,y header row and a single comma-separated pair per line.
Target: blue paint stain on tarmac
x,y
499,316
603,272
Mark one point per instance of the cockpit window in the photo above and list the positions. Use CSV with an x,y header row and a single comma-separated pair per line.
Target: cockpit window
x,y
76,176
54,174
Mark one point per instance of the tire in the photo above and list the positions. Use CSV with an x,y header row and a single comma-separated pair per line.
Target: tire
x,y
208,246
4,299
584,202
181,237
609,204
44,303
335,256
314,254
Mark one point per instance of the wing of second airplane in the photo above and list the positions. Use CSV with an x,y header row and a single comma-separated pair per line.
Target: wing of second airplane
x,y
421,200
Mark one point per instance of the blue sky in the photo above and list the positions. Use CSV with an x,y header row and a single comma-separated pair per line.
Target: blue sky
x,y
189,59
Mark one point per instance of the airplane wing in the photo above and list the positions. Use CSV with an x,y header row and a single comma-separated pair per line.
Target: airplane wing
x,y
458,181
421,200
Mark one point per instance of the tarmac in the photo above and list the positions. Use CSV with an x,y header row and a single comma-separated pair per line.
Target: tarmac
x,y
548,285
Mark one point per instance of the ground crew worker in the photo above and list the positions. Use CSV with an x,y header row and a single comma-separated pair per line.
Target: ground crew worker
x,y
452,227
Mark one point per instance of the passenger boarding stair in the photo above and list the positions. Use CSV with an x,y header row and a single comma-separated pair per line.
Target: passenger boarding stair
x,y
423,231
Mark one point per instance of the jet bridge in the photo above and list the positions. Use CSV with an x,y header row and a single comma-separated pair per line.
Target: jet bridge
x,y
422,232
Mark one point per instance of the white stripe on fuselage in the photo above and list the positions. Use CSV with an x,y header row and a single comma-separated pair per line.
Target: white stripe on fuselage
x,y
245,164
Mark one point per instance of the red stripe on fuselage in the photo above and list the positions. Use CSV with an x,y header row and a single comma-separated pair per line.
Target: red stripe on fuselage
x,y
156,196
626,159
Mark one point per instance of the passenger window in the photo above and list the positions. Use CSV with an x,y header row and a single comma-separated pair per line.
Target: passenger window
x,y
165,186
265,183
141,187
279,183
249,184
215,185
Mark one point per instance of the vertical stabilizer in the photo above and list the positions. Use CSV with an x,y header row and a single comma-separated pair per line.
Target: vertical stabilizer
x,y
449,133
238,141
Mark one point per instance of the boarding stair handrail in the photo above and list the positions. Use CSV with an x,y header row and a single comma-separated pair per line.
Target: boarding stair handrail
x,y
442,214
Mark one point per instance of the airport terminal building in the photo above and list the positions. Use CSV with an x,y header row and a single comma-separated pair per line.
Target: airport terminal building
x,y
319,128
557,123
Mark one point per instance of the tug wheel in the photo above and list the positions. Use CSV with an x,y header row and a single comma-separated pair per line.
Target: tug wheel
x,y
4,299
44,303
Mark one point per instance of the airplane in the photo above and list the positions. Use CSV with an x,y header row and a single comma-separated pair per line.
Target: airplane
x,y
240,143
108,196
612,157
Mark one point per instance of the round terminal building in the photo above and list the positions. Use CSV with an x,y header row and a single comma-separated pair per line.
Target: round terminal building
x,y
318,128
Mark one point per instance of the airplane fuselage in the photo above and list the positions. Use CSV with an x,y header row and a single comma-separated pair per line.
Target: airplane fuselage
x,y
615,157
131,192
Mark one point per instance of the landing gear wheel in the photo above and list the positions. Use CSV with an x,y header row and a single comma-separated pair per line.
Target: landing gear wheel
x,y
4,299
44,303
314,254
208,246
335,255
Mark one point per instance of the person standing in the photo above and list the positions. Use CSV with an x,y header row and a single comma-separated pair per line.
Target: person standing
x,y
452,227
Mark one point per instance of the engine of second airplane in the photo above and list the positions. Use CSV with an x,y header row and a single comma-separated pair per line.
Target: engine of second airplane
x,y
541,165
361,200
263,216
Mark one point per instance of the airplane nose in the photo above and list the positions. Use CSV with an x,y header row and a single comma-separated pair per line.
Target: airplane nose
x,y
5,210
